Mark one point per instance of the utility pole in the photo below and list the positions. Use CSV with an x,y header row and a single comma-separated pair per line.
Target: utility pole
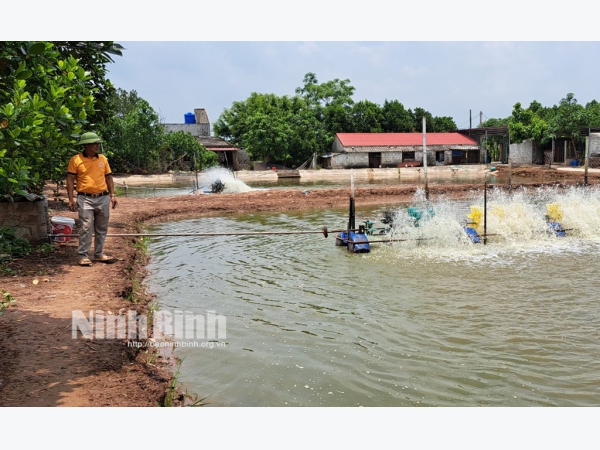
x,y
480,118
425,157
470,120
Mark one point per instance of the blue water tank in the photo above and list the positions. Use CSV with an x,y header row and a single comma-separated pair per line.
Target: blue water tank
x,y
190,118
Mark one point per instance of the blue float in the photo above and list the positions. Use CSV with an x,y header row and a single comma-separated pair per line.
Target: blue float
x,y
473,235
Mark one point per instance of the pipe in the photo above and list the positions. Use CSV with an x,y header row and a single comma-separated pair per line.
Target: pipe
x,y
323,231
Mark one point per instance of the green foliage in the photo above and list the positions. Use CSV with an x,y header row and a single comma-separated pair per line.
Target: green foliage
x,y
46,248
5,301
367,117
542,124
443,124
272,128
593,113
568,118
418,115
530,123
171,394
46,100
290,129
137,143
134,136
93,57
334,92
182,150
395,118
494,143
13,245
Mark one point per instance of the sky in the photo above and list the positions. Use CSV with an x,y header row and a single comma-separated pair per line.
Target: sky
x,y
467,81
463,59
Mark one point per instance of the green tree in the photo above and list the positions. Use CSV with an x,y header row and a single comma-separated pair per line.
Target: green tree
x,y
331,105
367,117
94,57
268,137
272,128
184,151
593,113
46,99
529,123
417,116
568,119
331,92
444,124
134,137
494,143
336,119
395,118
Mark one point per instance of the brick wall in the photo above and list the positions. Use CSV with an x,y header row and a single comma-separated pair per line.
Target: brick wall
x,y
348,160
29,219
594,143
521,153
195,129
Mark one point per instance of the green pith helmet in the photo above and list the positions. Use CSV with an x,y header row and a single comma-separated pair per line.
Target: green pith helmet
x,y
89,138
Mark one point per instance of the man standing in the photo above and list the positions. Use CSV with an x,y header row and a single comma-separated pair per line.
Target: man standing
x,y
95,193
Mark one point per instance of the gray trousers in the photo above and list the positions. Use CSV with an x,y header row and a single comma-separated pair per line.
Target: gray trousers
x,y
93,214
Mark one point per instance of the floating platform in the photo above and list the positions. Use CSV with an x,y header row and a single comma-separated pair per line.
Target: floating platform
x,y
288,174
358,242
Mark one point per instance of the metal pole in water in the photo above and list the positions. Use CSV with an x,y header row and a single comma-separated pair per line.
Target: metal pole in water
x,y
350,209
587,158
425,157
485,211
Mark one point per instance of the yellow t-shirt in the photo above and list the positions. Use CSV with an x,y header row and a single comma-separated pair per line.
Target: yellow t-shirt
x,y
90,173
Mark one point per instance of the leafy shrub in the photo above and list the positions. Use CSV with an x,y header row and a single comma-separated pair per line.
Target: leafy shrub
x,y
11,244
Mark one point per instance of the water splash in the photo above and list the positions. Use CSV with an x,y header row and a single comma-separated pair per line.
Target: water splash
x,y
516,221
232,184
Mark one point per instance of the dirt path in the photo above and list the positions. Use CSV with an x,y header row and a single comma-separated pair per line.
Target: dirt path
x,y
41,365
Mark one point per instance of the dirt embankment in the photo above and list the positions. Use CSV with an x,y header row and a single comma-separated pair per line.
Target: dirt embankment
x,y
42,365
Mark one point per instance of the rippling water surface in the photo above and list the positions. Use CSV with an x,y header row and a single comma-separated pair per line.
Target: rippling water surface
x,y
436,321
188,184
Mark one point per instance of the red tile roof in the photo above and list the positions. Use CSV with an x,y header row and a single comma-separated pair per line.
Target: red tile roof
x,y
401,139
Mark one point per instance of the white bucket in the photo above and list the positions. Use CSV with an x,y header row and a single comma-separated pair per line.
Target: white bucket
x,y
62,225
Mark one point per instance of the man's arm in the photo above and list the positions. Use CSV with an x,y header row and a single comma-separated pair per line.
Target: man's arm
x,y
70,191
111,188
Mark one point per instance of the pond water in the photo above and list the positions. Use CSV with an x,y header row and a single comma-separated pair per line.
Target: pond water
x,y
434,320
188,184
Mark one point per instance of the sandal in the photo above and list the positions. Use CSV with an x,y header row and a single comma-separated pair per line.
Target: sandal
x,y
85,262
103,258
